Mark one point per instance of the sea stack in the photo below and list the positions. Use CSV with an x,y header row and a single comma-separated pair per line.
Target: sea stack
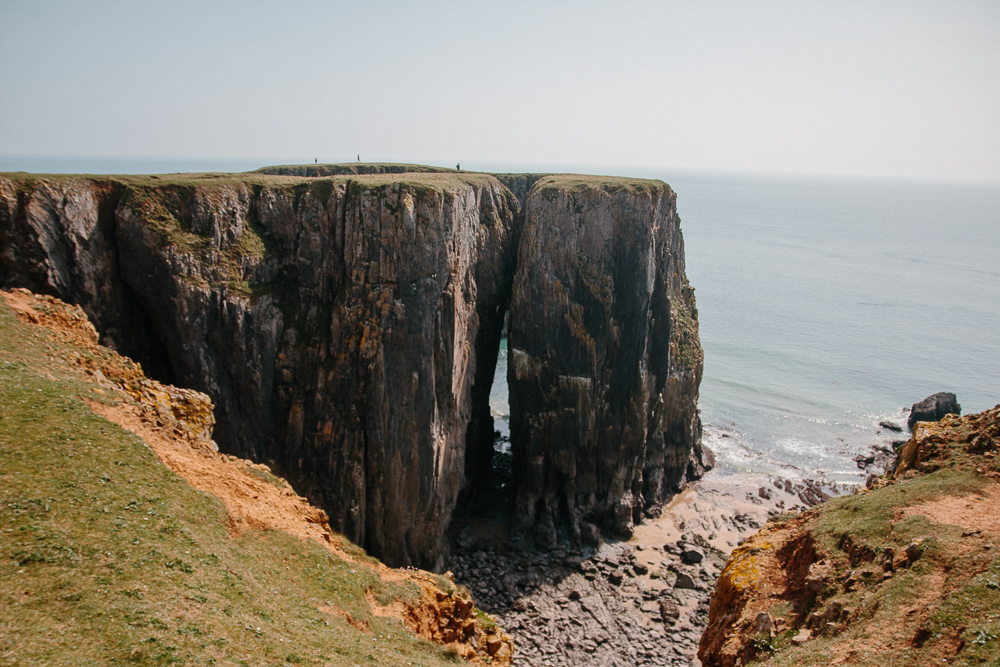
x,y
934,408
604,357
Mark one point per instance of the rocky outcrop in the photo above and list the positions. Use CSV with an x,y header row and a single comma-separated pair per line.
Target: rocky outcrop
x,y
934,408
347,328
901,571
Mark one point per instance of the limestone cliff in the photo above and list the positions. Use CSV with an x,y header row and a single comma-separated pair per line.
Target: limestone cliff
x,y
346,328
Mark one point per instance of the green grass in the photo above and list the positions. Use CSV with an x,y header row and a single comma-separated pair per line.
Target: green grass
x,y
582,183
321,170
852,531
108,557
867,518
435,177
684,332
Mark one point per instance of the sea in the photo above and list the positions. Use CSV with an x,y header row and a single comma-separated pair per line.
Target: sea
x,y
826,305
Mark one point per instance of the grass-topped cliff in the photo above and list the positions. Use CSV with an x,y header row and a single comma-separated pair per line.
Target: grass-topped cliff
x,y
346,327
125,539
904,573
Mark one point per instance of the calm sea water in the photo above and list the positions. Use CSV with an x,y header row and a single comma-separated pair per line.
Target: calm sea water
x,y
825,306
829,305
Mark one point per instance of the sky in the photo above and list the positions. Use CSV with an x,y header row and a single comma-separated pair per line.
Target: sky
x,y
888,89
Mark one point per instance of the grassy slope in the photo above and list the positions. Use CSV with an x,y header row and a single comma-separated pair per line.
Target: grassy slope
x,y
941,608
582,182
965,609
418,175
108,557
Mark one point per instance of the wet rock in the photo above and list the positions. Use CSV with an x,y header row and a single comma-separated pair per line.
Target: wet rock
x,y
863,461
891,426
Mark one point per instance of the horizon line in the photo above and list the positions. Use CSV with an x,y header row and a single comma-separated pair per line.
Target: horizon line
x,y
483,166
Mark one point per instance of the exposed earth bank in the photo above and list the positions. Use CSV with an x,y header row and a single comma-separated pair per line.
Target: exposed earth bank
x,y
257,576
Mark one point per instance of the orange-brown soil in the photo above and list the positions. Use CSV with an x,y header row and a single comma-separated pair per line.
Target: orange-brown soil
x,y
177,424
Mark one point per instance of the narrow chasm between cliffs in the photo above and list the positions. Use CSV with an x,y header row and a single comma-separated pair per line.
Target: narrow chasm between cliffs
x,y
484,512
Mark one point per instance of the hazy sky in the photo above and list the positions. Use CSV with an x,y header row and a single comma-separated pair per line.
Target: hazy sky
x,y
907,88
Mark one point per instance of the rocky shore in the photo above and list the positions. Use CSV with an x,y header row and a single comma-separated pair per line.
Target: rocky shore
x,y
641,601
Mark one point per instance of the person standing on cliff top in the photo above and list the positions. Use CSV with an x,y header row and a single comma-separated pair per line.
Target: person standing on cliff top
x,y
458,167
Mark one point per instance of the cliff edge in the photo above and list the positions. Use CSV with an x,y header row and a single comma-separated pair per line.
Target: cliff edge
x,y
906,572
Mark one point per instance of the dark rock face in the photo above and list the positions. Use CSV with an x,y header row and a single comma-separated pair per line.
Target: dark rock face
x,y
891,426
347,330
934,408
603,357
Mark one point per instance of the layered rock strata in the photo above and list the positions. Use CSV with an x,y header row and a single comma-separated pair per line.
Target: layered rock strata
x,y
347,328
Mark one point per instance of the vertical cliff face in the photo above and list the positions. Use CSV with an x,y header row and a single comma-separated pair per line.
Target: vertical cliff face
x,y
593,349
340,340
347,329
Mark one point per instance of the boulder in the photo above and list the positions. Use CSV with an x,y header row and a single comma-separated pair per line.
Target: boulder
x,y
692,556
669,611
934,408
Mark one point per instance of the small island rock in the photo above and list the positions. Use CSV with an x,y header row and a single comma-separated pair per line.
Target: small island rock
x,y
934,408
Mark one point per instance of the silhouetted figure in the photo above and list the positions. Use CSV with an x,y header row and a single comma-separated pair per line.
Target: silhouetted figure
x,y
458,167
359,157
316,159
